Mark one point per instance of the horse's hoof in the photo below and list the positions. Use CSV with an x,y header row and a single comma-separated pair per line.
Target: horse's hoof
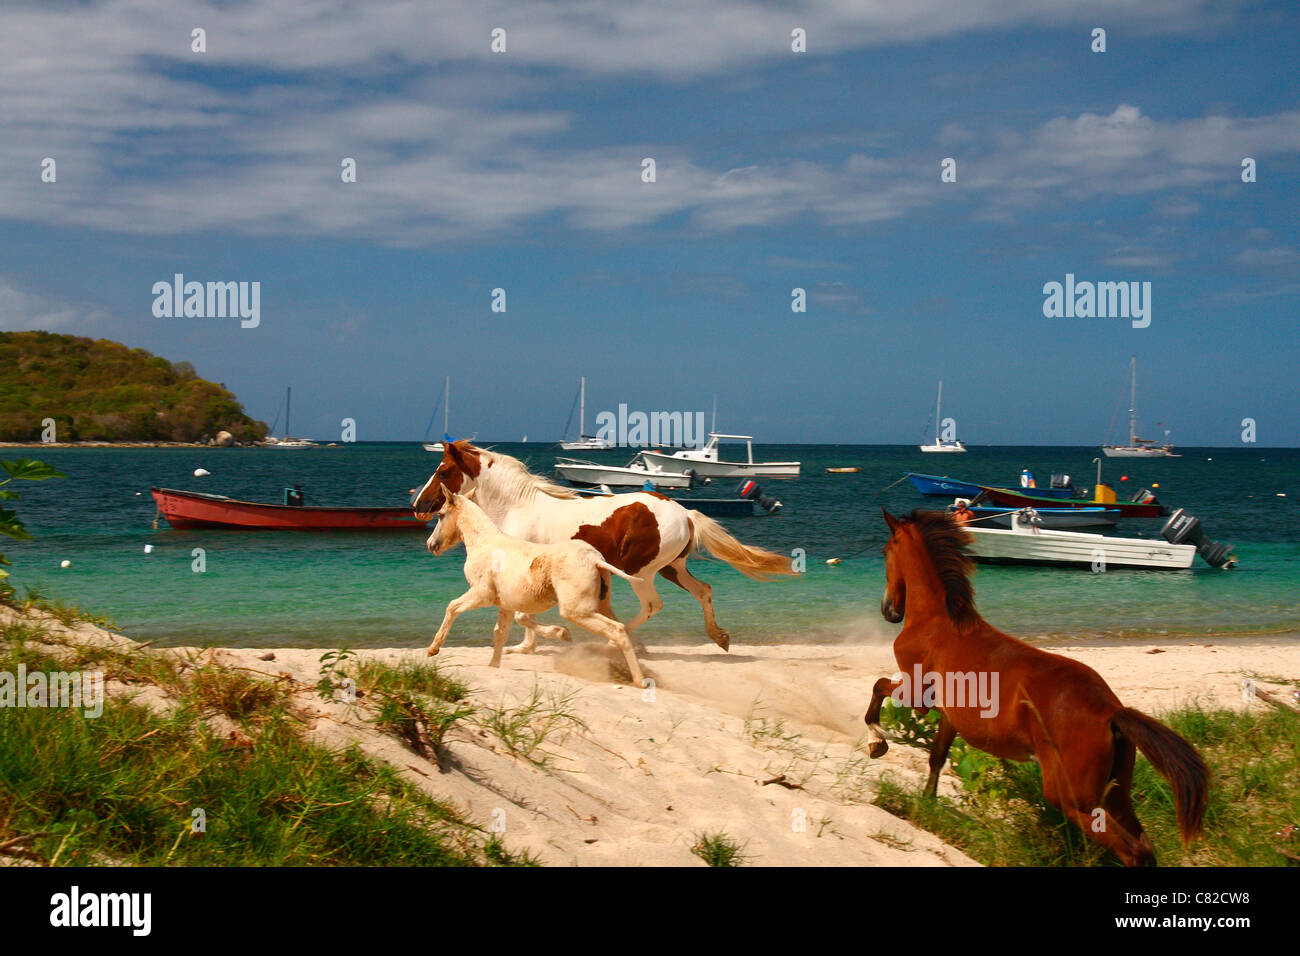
x,y
564,635
521,649
722,639
878,748
432,652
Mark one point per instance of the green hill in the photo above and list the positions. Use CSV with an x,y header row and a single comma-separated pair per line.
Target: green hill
x,y
97,390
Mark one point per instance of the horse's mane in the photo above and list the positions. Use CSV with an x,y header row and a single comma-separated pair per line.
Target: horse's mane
x,y
518,482
946,542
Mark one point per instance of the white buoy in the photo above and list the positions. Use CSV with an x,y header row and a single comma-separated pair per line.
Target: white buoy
x,y
833,561
201,472
65,563
148,549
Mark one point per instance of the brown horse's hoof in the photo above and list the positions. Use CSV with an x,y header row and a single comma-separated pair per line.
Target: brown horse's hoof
x,y
879,748
722,639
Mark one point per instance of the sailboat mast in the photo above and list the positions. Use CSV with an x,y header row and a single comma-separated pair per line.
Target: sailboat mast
x,y
1132,404
714,426
446,406
288,399
938,402
582,408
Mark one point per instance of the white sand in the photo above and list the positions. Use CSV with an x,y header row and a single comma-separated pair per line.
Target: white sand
x,y
649,773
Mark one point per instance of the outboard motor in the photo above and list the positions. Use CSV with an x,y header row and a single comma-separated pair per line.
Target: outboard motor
x,y
1145,497
750,490
1182,528
691,478
293,496
1061,481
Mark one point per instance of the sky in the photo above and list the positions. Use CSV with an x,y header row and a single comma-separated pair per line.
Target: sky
x,y
774,170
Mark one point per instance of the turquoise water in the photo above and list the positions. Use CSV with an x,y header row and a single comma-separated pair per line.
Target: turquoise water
x,y
384,589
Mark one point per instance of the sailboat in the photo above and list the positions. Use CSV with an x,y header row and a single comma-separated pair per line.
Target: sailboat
x,y
1138,447
946,445
286,441
585,442
445,402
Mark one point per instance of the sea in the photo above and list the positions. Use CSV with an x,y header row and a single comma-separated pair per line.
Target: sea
x,y
383,589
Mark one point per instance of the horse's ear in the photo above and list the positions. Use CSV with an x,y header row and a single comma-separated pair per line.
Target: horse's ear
x,y
452,452
890,520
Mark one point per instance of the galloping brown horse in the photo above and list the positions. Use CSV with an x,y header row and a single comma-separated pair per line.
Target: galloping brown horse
x,y
1031,704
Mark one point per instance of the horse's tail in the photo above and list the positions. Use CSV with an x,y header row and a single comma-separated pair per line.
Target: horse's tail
x,y
749,561
606,566
1175,759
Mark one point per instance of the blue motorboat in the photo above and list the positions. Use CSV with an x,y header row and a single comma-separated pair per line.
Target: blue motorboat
x,y
944,487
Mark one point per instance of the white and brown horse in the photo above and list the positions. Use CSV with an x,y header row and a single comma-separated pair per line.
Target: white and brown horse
x,y
641,534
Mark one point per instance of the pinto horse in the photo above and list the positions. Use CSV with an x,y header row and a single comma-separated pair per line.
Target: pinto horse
x,y
641,534
1044,706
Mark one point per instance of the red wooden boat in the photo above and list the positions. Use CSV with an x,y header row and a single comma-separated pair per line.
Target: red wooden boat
x,y
1127,509
192,509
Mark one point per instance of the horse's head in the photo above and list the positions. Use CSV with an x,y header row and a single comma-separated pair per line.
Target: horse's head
x,y
457,473
894,604
446,533
932,548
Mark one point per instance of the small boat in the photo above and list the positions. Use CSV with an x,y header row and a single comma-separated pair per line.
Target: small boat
x,y
1138,447
945,487
748,494
949,445
1050,519
1027,544
286,441
585,442
1143,505
707,463
438,446
842,471
589,474
192,509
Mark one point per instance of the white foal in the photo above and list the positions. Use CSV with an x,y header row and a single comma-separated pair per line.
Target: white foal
x,y
514,575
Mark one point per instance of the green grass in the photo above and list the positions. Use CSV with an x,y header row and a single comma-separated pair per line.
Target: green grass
x,y
524,728
1000,817
719,849
121,789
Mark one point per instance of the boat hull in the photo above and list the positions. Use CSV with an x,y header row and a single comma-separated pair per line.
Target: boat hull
x,y
724,469
592,476
713,507
1127,509
188,509
1111,451
1052,519
1074,549
944,487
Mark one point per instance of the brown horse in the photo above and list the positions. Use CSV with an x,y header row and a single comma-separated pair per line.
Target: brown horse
x,y
1017,702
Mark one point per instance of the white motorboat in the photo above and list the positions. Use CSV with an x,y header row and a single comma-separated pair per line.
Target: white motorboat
x,y
942,446
634,474
707,463
1138,447
1026,543
585,442
286,441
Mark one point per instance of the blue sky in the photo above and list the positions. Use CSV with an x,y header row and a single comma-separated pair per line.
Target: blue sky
x,y
775,170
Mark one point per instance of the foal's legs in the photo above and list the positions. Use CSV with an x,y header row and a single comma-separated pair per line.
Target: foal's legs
x,y
878,744
458,606
499,635
532,627
677,573
943,738
615,632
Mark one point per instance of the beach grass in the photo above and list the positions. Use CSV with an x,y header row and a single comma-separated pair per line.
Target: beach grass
x,y
150,786
719,849
1000,817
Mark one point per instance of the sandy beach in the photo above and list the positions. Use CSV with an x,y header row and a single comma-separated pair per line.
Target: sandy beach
x,y
761,743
